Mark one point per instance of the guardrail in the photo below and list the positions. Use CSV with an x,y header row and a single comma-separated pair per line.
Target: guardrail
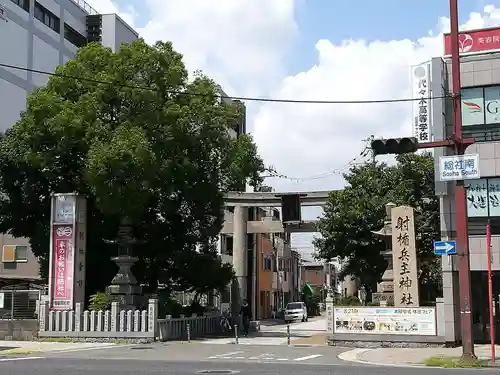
x,y
188,327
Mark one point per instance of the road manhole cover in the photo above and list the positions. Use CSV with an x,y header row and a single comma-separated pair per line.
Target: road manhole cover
x,y
217,372
141,348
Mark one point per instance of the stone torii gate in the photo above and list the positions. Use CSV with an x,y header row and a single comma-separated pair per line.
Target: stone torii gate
x,y
240,226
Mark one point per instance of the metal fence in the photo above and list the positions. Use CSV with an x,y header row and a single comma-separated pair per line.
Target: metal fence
x,y
19,304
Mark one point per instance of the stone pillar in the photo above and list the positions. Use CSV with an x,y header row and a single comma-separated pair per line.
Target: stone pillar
x,y
153,316
451,300
240,255
329,306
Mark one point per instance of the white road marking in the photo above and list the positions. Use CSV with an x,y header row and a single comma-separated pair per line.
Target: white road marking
x,y
282,359
225,355
100,347
18,359
308,357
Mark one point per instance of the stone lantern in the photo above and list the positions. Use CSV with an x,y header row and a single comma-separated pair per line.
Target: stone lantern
x,y
124,288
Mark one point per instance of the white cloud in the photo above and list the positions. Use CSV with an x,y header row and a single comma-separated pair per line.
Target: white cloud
x,y
309,139
238,43
242,44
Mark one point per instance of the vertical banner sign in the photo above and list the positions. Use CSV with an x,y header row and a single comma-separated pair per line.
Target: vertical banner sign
x,y
421,85
81,249
68,233
62,245
404,257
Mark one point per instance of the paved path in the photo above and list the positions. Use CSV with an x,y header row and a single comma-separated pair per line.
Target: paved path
x,y
211,353
314,325
46,346
409,356
89,366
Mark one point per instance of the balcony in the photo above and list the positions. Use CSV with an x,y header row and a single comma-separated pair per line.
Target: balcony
x,y
85,6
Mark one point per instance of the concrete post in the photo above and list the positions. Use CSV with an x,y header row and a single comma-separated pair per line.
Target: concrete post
x,y
329,305
240,253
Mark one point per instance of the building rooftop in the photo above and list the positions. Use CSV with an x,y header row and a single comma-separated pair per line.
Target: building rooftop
x,y
85,6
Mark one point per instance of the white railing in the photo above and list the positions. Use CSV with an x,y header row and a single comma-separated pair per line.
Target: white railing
x,y
186,328
111,324
85,6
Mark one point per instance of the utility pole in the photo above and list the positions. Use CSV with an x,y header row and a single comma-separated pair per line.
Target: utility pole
x,y
278,279
458,144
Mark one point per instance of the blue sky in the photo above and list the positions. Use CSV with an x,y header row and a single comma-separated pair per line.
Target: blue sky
x,y
342,20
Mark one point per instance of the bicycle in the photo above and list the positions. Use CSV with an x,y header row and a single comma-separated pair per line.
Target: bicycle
x,y
225,324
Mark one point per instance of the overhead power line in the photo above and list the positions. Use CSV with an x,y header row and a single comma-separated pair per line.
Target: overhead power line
x,y
242,98
339,171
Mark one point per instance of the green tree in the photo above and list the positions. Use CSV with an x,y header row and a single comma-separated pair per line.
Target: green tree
x,y
143,143
349,219
353,213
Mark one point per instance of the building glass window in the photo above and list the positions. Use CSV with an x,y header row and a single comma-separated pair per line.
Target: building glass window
x,y
492,104
74,37
48,18
483,198
25,4
473,106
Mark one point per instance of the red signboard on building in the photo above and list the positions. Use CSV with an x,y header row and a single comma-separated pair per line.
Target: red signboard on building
x,y
62,267
475,41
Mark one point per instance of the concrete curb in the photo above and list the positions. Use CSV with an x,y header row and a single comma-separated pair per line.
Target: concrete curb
x,y
353,356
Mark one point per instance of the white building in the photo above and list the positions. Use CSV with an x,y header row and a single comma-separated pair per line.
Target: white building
x,y
42,34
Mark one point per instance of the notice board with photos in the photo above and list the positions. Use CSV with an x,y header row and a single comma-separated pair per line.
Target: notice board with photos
x,y
385,320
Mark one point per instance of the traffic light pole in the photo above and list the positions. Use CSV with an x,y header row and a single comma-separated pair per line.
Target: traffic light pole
x,y
459,145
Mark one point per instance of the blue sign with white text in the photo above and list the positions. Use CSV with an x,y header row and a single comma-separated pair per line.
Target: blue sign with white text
x,y
445,247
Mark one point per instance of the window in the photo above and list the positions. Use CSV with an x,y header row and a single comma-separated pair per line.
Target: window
x,y
481,105
483,205
73,36
483,198
48,18
14,253
266,263
25,4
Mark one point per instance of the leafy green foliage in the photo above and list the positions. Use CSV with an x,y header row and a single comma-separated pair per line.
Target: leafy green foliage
x,y
100,301
150,146
352,214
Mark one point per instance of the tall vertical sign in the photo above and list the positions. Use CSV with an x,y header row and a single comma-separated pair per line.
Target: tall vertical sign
x,y
422,117
404,257
67,251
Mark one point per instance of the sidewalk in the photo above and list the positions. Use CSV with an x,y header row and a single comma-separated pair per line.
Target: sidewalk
x,y
30,347
411,356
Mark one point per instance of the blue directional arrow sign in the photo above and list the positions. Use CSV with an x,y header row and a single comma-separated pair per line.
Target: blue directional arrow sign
x,y
445,247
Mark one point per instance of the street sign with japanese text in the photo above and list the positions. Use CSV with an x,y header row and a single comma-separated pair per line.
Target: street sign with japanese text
x,y
459,167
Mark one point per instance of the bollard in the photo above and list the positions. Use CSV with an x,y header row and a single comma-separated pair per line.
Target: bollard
x,y
236,340
188,328
288,334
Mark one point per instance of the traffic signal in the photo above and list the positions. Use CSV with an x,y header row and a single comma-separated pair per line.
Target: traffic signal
x,y
291,209
394,146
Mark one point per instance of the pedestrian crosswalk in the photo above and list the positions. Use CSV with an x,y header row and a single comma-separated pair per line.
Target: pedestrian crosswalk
x,y
248,341
266,357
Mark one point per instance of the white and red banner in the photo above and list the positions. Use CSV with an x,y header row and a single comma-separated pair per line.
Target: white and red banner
x,y
63,266
475,41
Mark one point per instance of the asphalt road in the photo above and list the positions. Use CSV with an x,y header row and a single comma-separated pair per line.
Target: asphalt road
x,y
76,366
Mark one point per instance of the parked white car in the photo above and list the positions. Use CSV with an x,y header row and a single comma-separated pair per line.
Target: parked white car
x,y
296,311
